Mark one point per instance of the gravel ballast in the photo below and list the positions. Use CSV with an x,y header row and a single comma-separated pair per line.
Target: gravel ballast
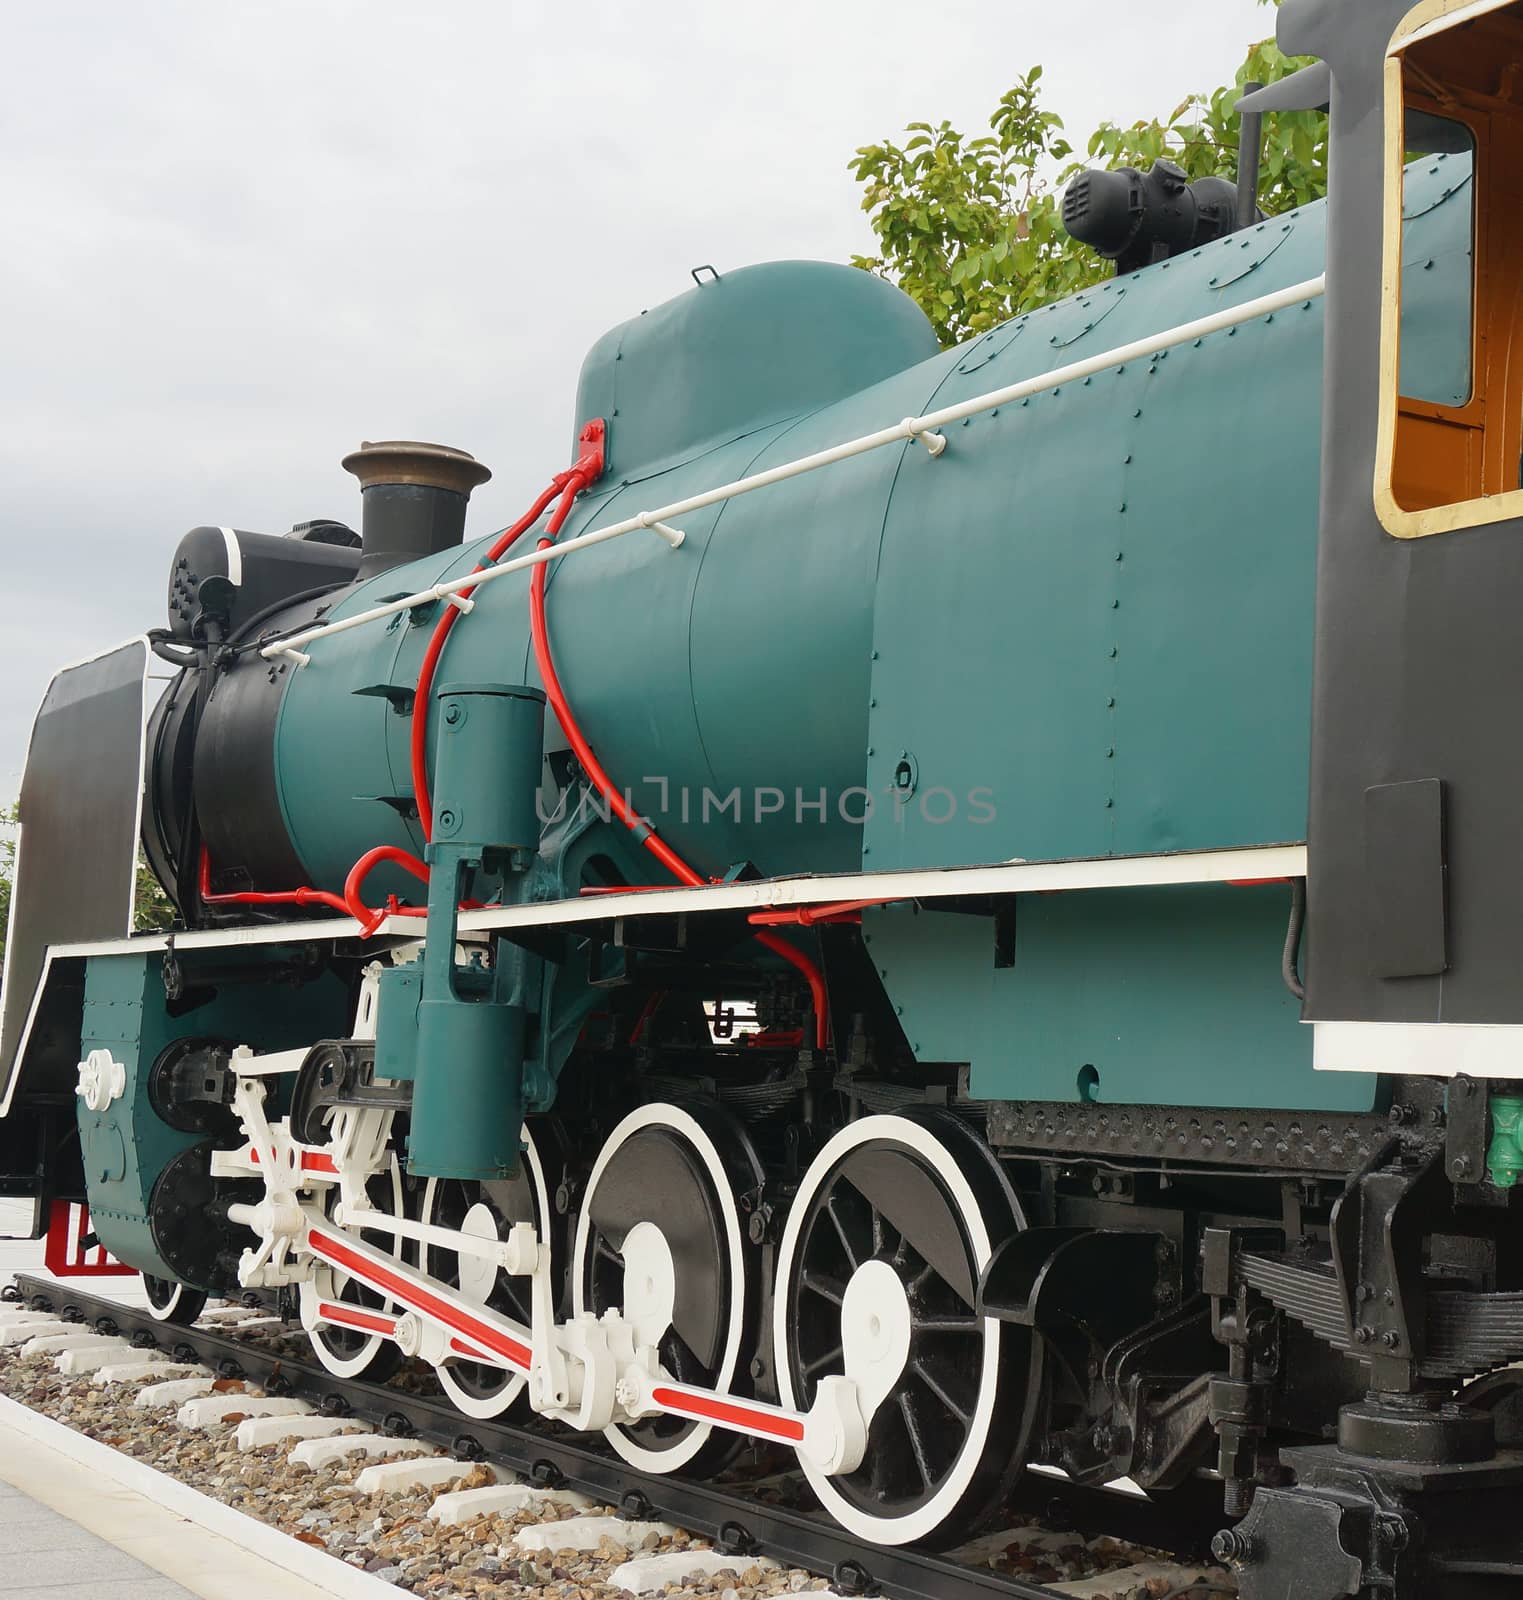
x,y
392,1536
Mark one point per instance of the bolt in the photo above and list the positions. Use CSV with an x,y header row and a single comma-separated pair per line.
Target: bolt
x,y
1363,1335
1391,1340
1393,1529
1459,1168
452,713
446,819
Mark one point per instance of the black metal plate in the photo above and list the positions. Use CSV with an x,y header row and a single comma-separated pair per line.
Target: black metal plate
x,y
1404,878
79,820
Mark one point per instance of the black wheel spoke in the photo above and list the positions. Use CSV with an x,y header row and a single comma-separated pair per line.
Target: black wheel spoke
x,y
828,1288
949,1325
852,1258
938,1387
917,1441
678,1357
829,1358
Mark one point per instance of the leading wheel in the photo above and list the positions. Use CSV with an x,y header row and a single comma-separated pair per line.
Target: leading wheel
x,y
172,1301
659,1238
892,1226
486,1211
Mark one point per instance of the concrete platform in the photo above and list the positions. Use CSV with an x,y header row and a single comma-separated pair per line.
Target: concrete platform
x,y
48,1558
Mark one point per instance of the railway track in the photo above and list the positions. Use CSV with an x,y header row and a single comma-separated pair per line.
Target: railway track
x,y
732,1516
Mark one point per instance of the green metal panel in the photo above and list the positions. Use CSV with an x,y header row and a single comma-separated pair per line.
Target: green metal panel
x,y
1116,658
1171,996
126,1146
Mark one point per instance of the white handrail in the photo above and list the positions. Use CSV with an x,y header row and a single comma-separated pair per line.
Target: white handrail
x,y
911,428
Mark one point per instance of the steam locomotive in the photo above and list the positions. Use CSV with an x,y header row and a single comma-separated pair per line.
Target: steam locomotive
x,y
800,939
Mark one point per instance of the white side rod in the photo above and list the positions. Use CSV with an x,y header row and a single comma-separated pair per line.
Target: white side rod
x,y
910,428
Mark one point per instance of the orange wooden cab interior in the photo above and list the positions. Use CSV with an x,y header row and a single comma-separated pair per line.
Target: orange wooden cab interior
x,y
1444,454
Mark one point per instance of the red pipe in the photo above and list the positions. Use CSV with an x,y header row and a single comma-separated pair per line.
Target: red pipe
x,y
587,469
812,976
436,643
568,484
368,918
626,813
649,1010
248,897
808,916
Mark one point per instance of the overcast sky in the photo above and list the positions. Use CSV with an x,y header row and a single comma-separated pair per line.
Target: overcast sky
x,y
240,235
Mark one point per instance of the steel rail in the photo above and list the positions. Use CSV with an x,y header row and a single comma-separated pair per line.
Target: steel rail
x,y
922,428
734,1521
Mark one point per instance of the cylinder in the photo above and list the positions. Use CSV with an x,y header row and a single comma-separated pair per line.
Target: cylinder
x,y
467,1105
487,755
413,497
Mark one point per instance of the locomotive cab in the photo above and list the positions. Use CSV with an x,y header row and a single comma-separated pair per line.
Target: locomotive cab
x,y
1416,892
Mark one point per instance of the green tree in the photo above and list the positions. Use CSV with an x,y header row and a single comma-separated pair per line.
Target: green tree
x,y
150,905
970,229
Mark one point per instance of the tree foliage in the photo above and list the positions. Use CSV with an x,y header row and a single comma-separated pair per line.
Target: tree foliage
x,y
970,229
150,905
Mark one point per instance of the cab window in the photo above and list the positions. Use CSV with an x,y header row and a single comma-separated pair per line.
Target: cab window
x,y
1452,407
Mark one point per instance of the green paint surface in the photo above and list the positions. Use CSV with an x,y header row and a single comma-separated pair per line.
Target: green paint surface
x,y
126,1147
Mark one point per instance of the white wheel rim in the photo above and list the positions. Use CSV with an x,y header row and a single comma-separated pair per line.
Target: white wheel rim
x,y
661,1115
925,1519
484,1407
165,1312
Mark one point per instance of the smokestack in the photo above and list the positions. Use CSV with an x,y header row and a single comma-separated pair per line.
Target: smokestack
x,y
413,498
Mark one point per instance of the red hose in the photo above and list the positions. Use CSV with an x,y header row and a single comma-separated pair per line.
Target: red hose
x,y
812,976
436,643
369,919
250,897
621,808
568,485
587,469
810,916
